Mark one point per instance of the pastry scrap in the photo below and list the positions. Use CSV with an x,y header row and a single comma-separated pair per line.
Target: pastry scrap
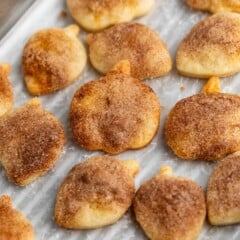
x,y
31,142
115,113
95,15
96,193
147,53
223,199
205,126
215,5
13,225
53,59
169,207
212,48
6,92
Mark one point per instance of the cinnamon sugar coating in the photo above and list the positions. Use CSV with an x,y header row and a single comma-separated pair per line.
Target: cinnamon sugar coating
x,y
215,5
53,59
31,142
141,46
6,92
223,198
95,15
95,193
212,48
204,126
114,113
13,225
169,207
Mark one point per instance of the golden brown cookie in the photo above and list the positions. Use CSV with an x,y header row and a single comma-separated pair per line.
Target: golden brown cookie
x,y
135,42
169,207
115,113
53,59
13,225
215,5
95,15
6,92
96,193
205,126
223,199
30,143
212,48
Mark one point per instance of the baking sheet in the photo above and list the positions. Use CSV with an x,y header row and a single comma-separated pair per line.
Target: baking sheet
x,y
13,8
172,19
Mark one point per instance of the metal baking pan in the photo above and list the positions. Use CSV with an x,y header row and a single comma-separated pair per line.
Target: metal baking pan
x,y
172,20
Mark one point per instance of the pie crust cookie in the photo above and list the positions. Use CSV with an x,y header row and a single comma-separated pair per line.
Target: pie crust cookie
x,y
212,48
223,198
135,42
215,5
115,113
31,142
96,193
95,15
205,126
169,207
13,225
53,59
6,92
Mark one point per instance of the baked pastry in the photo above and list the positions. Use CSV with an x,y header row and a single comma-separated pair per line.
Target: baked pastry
x,y
30,143
52,59
115,113
135,42
211,48
215,5
96,193
6,92
205,126
13,225
95,15
169,207
223,198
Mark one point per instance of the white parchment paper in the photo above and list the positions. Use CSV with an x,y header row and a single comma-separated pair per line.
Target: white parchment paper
x,y
172,19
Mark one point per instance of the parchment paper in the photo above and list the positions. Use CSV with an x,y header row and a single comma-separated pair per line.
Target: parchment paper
x,y
172,19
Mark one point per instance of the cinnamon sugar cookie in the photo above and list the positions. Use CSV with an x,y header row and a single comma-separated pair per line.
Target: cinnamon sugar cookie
x,y
6,92
215,5
30,143
13,225
96,193
212,48
114,113
135,42
95,15
223,199
52,59
169,207
205,126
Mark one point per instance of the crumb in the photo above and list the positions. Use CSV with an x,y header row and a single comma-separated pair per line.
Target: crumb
x,y
63,14
182,88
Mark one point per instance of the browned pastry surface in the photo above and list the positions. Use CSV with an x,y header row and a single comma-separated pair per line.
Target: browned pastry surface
x,y
13,225
30,144
114,113
223,198
95,15
52,59
204,126
169,207
215,5
6,92
147,53
211,48
95,193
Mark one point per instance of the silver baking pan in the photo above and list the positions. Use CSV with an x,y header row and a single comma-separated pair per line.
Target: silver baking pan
x,y
172,19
